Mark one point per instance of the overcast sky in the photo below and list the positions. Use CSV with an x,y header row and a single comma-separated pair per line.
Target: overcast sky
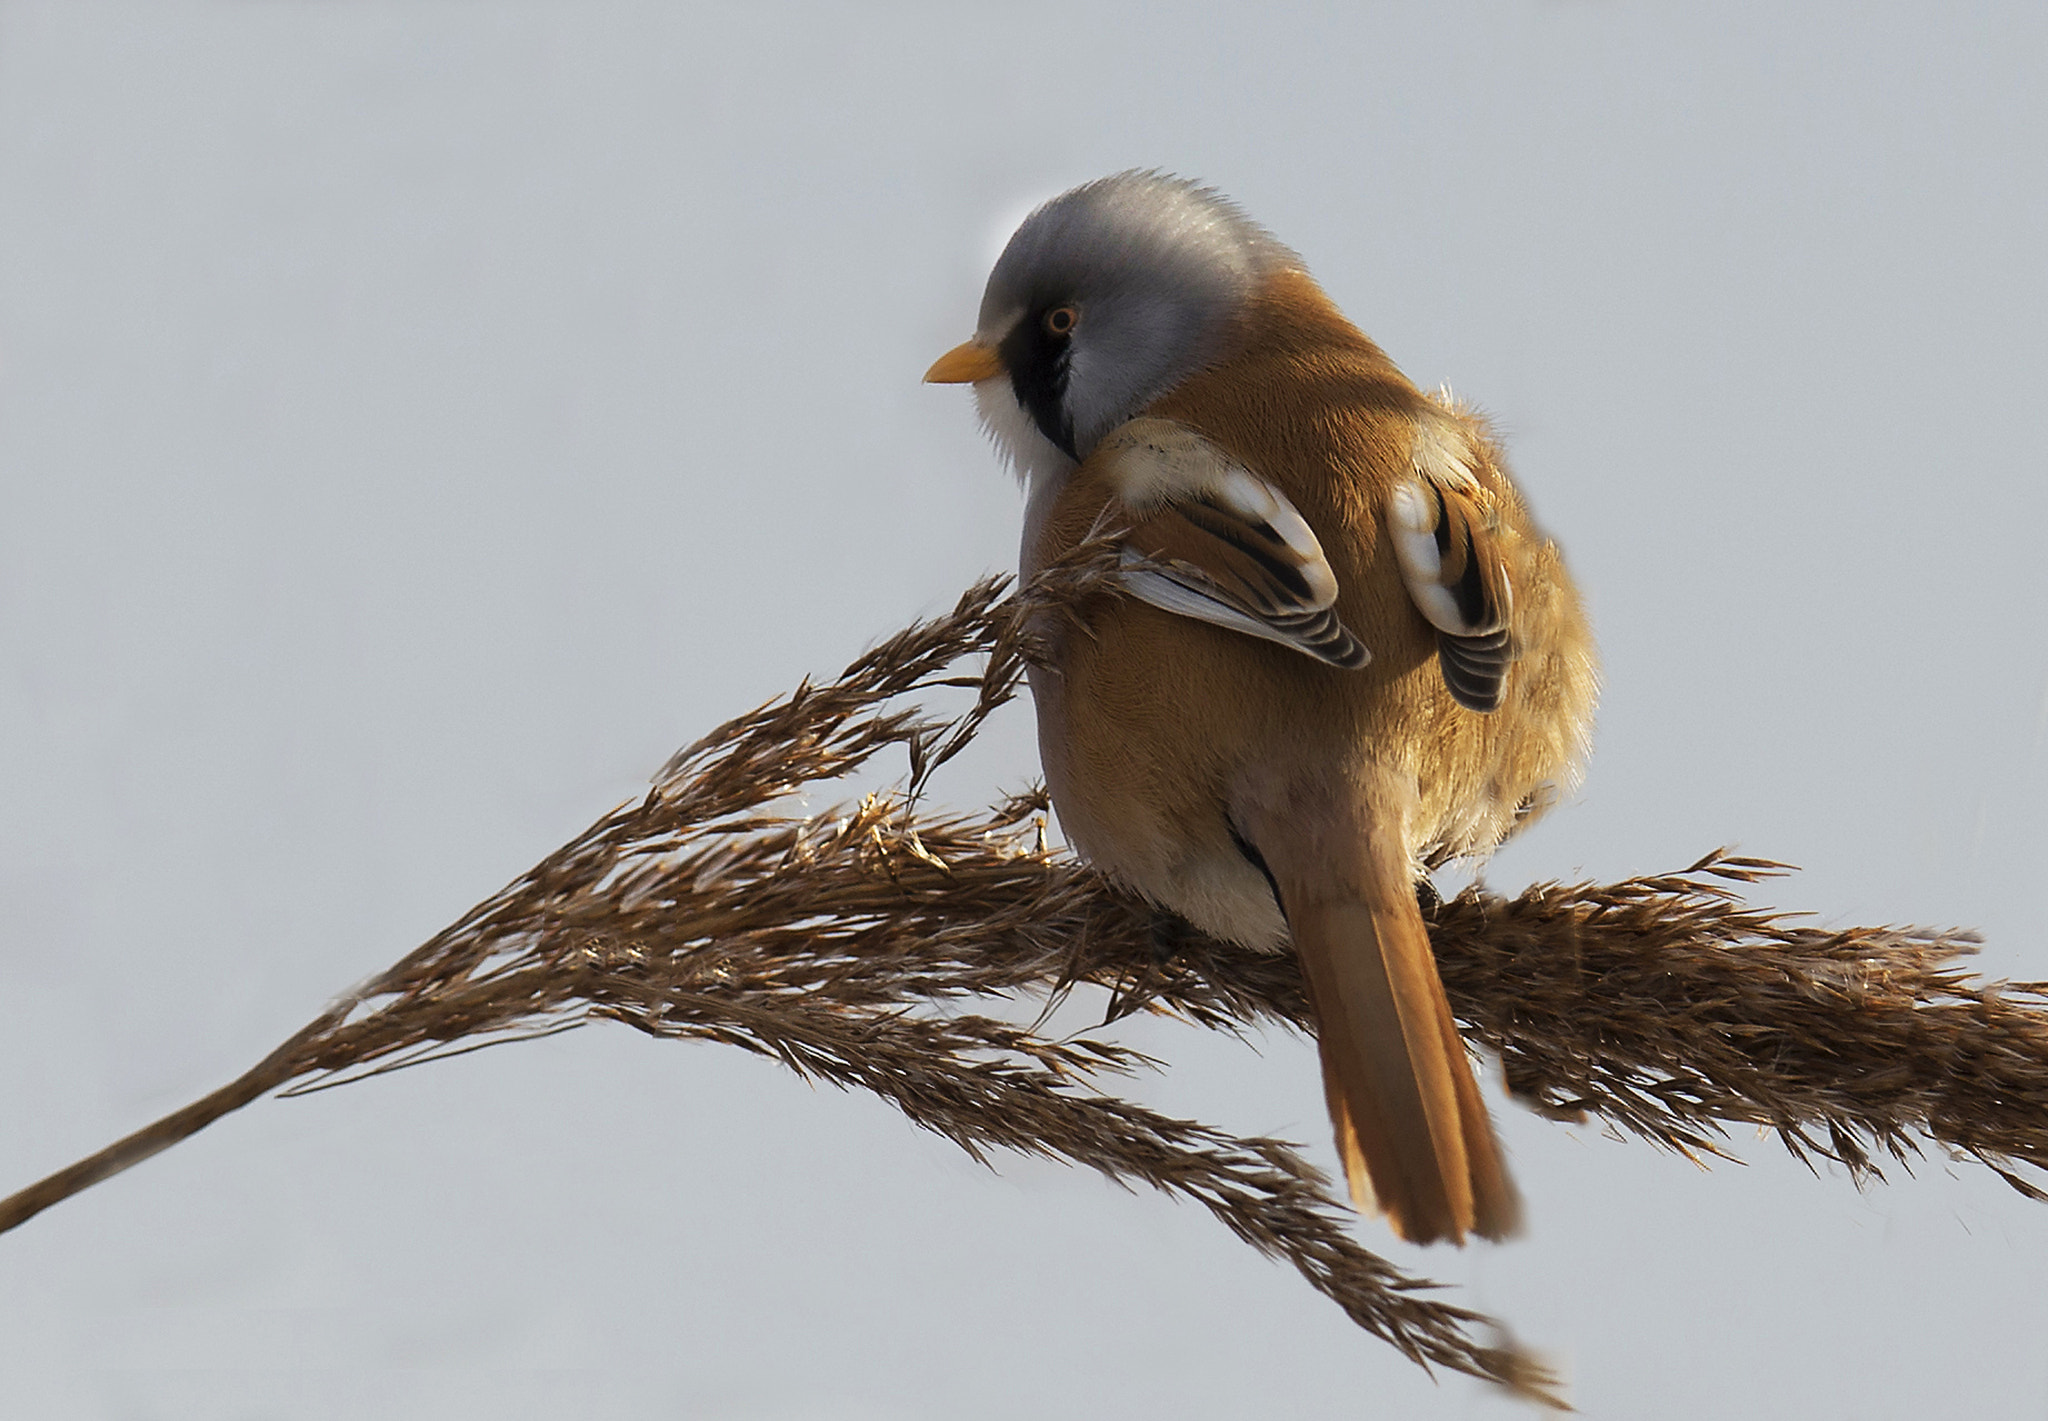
x,y
418,419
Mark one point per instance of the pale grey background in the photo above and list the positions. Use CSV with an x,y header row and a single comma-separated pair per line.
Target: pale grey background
x,y
418,419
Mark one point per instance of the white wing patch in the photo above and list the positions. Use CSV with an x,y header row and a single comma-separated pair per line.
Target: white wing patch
x,y
1443,525
1417,512
1213,541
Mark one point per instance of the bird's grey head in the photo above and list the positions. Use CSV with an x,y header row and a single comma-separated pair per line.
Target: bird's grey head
x,y
1106,298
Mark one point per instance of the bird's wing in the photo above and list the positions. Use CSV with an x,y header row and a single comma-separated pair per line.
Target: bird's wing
x,y
1446,534
1209,539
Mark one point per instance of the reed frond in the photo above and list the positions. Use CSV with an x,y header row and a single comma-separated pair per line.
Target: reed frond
x,y
865,946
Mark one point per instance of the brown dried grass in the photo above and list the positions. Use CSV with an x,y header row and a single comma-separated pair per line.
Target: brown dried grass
x,y
855,947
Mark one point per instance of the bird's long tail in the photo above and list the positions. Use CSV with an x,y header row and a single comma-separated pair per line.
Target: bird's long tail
x,y
1411,1127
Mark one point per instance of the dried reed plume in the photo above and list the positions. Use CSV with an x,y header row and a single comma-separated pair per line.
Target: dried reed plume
x,y
854,946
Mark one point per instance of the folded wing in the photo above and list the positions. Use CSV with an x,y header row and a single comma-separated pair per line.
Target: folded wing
x,y
1446,538
1211,540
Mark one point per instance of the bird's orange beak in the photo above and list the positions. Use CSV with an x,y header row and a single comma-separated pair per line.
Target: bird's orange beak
x,y
965,364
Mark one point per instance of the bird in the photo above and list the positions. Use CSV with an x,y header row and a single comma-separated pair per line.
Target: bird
x,y
1346,653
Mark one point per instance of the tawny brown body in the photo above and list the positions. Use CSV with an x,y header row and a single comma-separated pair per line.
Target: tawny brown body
x,y
1212,771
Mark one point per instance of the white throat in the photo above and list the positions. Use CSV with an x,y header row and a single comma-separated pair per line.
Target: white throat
x,y
1041,465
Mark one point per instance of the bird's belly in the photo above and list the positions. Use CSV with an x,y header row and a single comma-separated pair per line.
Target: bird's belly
x,y
1155,825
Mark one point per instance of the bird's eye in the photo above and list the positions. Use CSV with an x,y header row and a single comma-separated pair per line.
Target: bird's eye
x,y
1061,320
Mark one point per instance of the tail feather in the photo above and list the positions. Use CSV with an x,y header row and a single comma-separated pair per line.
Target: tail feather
x,y
1411,1126
1497,1204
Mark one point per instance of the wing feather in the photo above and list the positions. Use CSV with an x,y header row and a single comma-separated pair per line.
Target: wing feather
x,y
1447,541
1211,540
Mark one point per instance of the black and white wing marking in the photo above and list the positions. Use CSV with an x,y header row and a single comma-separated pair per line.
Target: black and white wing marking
x,y
1213,541
1446,540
